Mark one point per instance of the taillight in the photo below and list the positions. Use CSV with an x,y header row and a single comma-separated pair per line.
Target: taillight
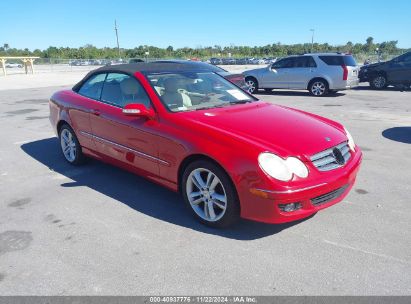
x,y
345,72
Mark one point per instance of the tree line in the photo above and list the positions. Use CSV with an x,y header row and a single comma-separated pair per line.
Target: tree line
x,y
89,51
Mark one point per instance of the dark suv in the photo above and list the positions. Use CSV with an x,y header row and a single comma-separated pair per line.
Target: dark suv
x,y
395,72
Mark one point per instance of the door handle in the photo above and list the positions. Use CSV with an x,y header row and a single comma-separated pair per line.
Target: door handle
x,y
95,112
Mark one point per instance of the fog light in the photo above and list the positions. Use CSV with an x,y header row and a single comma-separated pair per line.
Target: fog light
x,y
289,207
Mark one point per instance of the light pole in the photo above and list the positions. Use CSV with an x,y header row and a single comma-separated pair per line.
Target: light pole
x,y
118,46
312,39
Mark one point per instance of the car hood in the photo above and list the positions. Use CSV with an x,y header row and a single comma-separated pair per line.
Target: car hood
x,y
372,65
254,71
274,128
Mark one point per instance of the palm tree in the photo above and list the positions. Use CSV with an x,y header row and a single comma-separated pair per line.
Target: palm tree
x,y
6,47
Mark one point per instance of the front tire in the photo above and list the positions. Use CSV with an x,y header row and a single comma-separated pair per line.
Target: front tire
x,y
378,82
70,146
210,194
318,87
252,84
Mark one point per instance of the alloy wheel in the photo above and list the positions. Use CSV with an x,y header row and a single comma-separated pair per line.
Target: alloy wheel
x,y
68,145
251,86
379,82
318,88
206,194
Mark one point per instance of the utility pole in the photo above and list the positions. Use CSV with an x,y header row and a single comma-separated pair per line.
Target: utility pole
x,y
312,39
118,46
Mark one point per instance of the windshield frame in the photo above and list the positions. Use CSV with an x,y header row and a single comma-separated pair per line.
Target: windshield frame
x,y
228,104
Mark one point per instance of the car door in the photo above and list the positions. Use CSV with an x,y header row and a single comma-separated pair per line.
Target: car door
x,y
400,69
128,139
88,93
276,76
301,72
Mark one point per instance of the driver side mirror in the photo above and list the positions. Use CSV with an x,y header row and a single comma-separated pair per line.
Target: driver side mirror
x,y
138,110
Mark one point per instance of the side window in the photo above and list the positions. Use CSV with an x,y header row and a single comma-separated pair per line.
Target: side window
x,y
407,59
300,62
283,63
121,89
289,63
332,60
310,62
92,87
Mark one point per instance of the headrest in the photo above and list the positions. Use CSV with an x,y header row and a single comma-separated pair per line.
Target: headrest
x,y
129,86
170,85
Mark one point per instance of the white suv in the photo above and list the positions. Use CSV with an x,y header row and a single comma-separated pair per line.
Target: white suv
x,y
320,74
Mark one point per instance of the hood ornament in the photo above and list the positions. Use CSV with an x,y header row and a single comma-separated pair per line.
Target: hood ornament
x,y
327,138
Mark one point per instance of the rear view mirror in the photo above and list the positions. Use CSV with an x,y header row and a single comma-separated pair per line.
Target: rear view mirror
x,y
135,109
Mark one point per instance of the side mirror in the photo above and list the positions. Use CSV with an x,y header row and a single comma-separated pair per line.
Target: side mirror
x,y
140,110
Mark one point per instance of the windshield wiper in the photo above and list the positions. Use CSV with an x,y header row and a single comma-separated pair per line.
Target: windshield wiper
x,y
211,107
225,104
240,101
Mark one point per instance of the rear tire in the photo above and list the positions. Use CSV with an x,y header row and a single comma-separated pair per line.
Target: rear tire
x,y
318,87
252,84
70,146
378,82
210,194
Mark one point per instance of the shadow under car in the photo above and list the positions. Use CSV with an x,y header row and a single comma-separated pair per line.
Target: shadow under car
x,y
138,193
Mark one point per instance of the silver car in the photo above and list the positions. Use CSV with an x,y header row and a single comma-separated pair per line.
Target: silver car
x,y
320,74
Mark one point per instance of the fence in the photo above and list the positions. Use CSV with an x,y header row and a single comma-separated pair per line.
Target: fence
x,y
47,65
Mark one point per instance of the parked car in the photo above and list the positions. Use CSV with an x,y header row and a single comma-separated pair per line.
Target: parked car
x,y
135,60
95,62
216,61
13,65
228,61
269,60
229,154
241,61
256,61
237,79
320,74
394,72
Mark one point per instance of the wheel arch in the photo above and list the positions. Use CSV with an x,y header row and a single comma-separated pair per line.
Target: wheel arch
x,y
195,157
318,78
60,125
251,76
378,72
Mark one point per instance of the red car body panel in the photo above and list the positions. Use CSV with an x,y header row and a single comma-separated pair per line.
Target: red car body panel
x,y
232,136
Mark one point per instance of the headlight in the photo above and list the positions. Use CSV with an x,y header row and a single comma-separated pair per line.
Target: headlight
x,y
351,143
297,167
281,169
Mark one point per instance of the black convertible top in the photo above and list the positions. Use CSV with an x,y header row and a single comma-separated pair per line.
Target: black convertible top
x,y
147,67
164,66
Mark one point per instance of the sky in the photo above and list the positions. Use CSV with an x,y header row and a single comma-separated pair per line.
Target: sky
x,y
195,23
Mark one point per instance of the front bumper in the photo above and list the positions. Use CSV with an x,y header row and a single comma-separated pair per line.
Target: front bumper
x,y
263,204
363,76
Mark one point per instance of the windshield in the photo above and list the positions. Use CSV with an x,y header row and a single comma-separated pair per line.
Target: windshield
x,y
188,91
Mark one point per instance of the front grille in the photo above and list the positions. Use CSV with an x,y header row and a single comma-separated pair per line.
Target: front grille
x,y
332,158
328,197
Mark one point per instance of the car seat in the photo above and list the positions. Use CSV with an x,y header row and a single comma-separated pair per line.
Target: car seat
x,y
132,93
172,96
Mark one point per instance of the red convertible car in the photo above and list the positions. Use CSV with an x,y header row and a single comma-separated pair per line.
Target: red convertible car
x,y
190,130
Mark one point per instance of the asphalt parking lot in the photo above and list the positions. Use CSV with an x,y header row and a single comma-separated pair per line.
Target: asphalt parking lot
x,y
97,230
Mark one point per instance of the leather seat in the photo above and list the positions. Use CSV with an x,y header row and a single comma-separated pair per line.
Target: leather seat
x,y
172,97
132,92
